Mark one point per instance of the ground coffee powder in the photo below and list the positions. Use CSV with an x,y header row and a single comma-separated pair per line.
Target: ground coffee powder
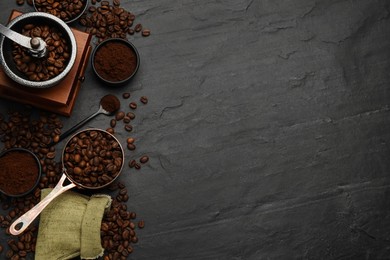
x,y
115,61
19,172
110,103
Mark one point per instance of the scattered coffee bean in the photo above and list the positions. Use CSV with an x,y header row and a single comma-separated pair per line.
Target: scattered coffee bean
x,y
111,130
132,163
130,140
144,159
119,115
112,123
131,147
144,100
137,166
138,27
133,105
126,95
141,224
131,115
126,120
146,32
128,128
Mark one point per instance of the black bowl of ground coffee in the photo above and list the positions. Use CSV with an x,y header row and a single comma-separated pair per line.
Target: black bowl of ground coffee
x,y
115,61
20,172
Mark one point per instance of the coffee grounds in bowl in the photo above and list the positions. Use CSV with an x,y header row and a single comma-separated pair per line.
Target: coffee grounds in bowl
x,y
19,172
115,61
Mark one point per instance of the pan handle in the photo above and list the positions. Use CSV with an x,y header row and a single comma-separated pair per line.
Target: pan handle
x,y
25,220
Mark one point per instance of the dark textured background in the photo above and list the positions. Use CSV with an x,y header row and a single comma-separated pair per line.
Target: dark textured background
x,y
267,128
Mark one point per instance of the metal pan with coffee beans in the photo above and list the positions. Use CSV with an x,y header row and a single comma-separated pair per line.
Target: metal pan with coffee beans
x,y
91,159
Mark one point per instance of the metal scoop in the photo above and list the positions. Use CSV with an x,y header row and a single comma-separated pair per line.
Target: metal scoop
x,y
103,109
36,46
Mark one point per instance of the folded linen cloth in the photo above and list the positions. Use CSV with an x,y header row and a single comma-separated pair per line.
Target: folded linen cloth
x,y
70,226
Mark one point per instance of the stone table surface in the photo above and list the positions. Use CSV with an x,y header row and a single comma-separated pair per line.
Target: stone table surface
x,y
267,128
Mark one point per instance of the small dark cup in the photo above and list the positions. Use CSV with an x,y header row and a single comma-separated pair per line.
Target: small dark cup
x,y
33,185
107,69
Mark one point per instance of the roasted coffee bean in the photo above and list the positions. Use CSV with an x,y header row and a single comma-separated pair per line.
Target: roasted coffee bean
x,y
137,166
134,239
126,95
131,147
138,27
130,140
119,115
141,224
144,159
128,128
132,163
110,130
144,100
131,115
1,248
126,120
145,32
20,2
112,123
133,105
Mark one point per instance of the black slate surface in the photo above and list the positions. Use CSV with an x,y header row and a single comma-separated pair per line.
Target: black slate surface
x,y
267,128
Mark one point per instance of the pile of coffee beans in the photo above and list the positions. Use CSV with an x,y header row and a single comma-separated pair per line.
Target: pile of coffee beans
x,y
66,10
23,129
118,229
93,158
106,20
40,69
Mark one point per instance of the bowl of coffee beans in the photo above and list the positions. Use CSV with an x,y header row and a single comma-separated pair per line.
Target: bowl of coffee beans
x,y
93,158
67,10
44,71
115,61
20,172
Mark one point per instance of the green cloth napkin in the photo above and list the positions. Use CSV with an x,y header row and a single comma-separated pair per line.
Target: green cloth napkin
x,y
70,226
